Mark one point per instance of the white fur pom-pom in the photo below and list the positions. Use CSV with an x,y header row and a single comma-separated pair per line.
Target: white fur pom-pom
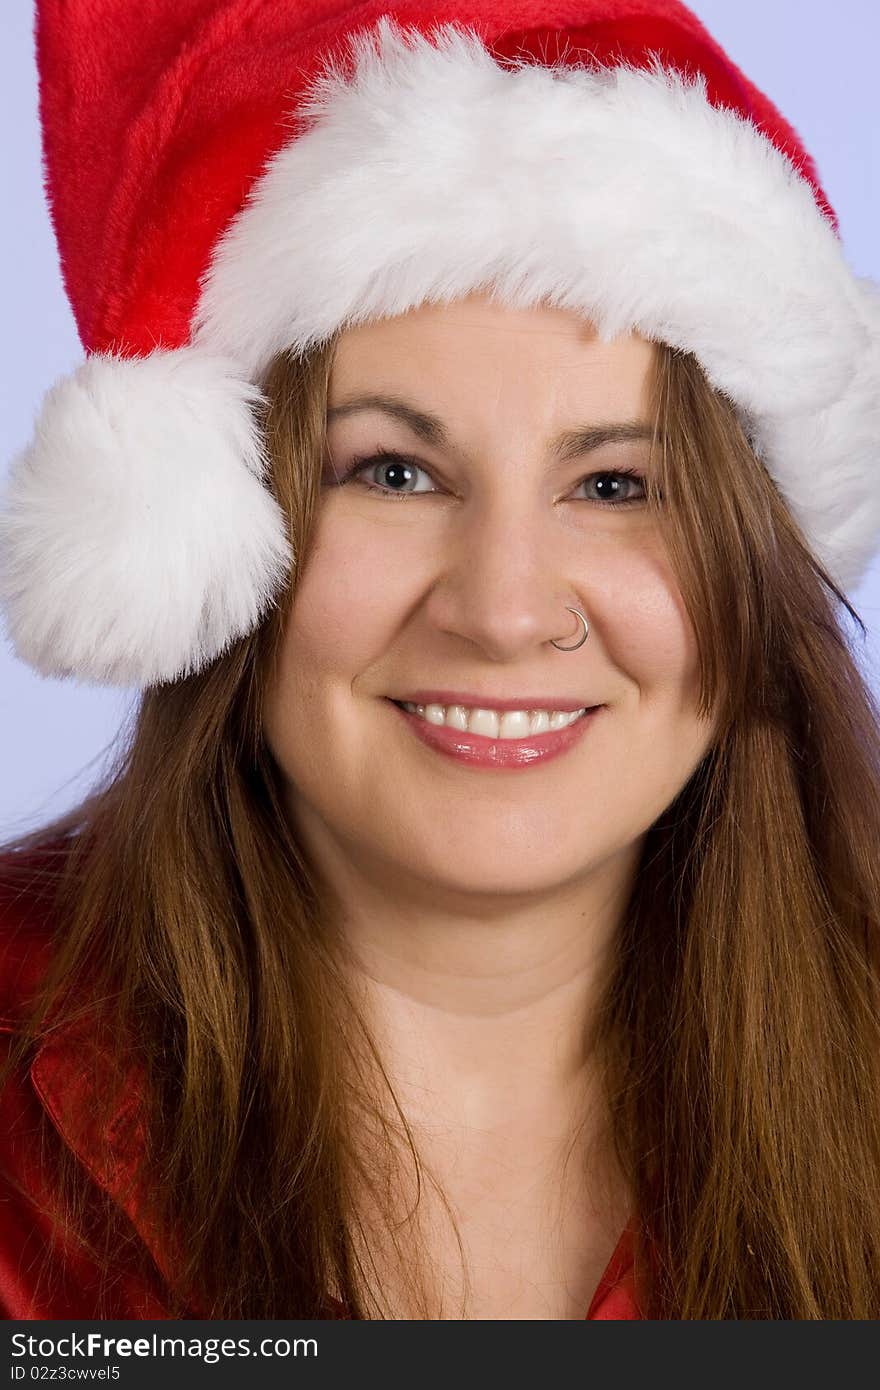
x,y
137,538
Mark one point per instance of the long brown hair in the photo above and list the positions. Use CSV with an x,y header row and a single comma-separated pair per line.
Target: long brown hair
x,y
739,1021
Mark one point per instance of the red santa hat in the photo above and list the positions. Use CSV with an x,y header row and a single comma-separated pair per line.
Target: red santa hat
x,y
230,178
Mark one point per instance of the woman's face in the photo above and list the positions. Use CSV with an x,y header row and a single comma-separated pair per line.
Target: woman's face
x,y
461,585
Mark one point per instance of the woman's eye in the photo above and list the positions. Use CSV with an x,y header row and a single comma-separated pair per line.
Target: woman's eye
x,y
397,474
616,487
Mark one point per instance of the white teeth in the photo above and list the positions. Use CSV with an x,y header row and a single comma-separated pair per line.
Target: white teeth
x,y
514,723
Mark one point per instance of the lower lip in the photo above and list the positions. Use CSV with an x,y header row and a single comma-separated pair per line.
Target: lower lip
x,y
481,751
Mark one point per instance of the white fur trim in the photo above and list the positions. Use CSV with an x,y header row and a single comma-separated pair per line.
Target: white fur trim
x,y
624,195
137,539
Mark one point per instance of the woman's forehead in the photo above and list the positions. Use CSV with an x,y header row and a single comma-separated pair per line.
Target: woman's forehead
x,y
478,352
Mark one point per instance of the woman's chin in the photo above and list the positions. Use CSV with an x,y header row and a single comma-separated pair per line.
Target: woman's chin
x,y
490,873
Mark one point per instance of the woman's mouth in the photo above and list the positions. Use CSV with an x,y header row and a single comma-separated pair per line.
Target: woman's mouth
x,y
497,739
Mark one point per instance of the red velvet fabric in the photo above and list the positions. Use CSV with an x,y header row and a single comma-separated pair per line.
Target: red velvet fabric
x,y
58,1084
158,118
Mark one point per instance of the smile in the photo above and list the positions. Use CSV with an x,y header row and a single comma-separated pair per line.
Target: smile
x,y
487,738
511,723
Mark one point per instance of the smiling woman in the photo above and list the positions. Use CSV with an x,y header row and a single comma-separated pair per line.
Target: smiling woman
x,y
464,941
481,920
463,589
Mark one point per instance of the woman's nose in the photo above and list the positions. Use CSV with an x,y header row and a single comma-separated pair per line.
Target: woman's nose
x,y
505,581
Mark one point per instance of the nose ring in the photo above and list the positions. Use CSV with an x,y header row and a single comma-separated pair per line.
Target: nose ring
x,y
581,640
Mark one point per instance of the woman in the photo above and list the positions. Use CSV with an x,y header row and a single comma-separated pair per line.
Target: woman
x,y
406,967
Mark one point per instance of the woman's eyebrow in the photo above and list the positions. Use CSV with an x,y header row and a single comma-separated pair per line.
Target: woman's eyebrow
x,y
430,428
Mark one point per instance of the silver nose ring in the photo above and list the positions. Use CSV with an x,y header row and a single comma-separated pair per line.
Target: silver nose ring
x,y
581,640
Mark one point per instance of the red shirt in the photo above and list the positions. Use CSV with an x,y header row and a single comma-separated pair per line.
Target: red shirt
x,y
58,1085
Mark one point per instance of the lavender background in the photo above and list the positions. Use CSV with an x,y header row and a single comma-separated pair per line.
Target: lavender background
x,y
55,735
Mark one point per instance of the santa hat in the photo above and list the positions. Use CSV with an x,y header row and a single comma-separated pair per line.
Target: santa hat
x,y
228,179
